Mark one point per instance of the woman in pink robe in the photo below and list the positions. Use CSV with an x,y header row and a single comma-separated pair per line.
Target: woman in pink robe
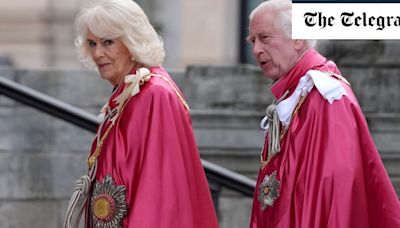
x,y
144,163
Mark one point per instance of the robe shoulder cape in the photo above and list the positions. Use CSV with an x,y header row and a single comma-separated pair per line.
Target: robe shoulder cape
x,y
151,150
329,170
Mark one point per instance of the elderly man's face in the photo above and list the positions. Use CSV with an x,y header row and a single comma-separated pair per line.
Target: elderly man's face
x,y
275,53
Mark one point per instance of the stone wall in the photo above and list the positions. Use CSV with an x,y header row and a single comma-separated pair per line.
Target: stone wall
x,y
41,156
40,34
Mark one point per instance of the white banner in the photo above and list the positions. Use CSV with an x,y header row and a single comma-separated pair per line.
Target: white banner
x,y
376,21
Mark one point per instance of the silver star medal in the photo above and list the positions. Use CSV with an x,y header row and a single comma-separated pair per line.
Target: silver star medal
x,y
268,191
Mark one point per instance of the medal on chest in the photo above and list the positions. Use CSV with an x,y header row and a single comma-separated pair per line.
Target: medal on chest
x,y
108,205
268,190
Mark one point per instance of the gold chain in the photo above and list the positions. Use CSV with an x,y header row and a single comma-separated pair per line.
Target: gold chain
x,y
92,159
175,90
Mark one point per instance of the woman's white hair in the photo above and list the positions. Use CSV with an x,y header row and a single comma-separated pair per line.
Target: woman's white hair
x,y
119,19
283,9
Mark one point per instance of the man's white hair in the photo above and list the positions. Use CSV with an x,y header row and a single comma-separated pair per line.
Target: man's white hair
x,y
124,19
283,9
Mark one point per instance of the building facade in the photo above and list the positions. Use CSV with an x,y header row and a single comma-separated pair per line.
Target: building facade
x,y
40,34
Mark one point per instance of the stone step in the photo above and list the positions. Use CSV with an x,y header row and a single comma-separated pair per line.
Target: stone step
x,y
214,87
362,53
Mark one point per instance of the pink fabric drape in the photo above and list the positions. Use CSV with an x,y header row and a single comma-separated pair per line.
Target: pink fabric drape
x,y
151,150
329,169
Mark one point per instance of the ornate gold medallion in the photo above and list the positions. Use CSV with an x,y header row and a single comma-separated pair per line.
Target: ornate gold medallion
x,y
108,205
104,207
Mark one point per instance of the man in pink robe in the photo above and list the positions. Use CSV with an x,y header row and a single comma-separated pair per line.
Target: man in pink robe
x,y
319,164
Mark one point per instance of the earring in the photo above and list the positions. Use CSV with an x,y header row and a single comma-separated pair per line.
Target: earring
x,y
133,59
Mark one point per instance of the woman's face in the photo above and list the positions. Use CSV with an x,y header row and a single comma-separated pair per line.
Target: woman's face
x,y
111,56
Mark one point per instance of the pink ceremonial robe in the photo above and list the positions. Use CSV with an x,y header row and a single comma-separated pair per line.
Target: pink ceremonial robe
x,y
329,170
151,150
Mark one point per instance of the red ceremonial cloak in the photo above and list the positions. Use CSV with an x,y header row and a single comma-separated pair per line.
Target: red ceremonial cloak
x,y
328,172
151,151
